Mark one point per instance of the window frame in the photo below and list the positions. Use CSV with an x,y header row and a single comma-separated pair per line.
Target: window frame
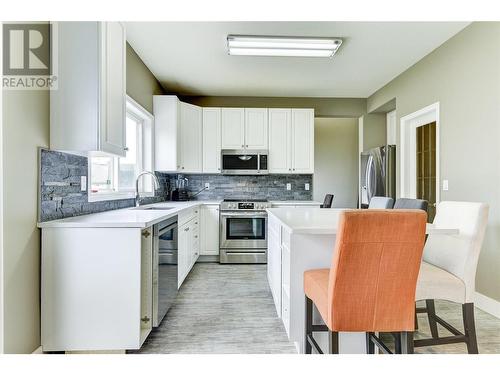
x,y
146,157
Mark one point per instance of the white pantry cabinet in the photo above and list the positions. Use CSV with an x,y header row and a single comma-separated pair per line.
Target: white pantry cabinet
x,y
178,135
211,140
291,141
88,109
209,230
233,128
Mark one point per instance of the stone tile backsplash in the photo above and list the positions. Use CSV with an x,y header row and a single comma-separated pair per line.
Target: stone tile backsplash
x,y
271,187
61,196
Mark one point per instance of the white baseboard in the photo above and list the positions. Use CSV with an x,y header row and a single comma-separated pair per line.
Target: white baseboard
x,y
487,304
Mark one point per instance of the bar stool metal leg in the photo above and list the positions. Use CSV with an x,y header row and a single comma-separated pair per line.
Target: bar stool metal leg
x,y
333,342
308,325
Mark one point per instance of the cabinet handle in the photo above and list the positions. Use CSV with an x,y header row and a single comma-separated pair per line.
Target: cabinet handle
x,y
242,146
186,229
246,146
146,233
125,149
290,169
293,168
196,222
182,167
195,236
145,319
196,213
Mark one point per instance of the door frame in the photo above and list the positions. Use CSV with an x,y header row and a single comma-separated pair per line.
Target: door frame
x,y
408,164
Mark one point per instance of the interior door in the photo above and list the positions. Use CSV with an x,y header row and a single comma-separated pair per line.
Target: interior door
x,y
302,141
233,128
426,166
256,128
280,140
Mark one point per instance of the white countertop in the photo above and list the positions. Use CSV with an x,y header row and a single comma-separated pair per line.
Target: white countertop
x,y
296,203
315,220
125,218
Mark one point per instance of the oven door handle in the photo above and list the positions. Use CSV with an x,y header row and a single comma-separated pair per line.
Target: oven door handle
x,y
167,229
258,214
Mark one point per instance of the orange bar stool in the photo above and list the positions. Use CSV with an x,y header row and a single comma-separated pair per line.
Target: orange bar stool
x,y
371,284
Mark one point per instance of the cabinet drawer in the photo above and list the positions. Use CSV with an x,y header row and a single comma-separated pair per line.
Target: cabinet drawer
x,y
189,214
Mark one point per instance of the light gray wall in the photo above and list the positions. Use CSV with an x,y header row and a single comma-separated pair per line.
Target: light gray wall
x,y
336,160
25,128
463,75
374,130
141,83
323,107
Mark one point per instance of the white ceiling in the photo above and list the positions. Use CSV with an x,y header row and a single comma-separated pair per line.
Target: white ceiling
x,y
190,58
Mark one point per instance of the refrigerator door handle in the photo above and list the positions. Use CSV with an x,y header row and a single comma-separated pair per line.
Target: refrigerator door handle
x,y
369,182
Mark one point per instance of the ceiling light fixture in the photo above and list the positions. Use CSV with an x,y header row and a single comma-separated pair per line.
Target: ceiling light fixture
x,y
247,45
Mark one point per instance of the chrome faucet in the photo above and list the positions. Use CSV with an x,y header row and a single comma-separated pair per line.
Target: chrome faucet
x,y
156,185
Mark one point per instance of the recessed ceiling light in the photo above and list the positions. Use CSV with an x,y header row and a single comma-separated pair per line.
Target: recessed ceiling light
x,y
247,45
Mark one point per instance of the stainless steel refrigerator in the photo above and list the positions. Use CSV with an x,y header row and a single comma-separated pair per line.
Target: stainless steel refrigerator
x,y
377,174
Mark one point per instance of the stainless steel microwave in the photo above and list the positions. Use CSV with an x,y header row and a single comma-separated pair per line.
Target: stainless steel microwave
x,y
244,162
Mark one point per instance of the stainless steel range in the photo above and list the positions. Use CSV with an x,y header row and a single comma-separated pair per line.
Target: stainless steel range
x,y
243,231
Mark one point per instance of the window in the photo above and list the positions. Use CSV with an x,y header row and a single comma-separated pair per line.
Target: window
x,y
113,177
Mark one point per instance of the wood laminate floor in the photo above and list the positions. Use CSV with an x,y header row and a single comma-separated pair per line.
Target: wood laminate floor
x,y
229,309
222,308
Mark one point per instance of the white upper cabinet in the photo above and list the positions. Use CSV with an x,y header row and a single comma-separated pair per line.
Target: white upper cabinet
x,y
178,135
291,141
233,128
280,121
256,128
87,111
190,138
211,140
302,141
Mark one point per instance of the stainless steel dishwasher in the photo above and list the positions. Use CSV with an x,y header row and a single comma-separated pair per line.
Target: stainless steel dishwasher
x,y
165,256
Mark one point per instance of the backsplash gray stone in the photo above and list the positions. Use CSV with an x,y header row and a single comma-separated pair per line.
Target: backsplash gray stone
x,y
60,194
61,197
271,187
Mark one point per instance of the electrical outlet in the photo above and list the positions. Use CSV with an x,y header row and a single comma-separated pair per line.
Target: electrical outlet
x,y
83,183
207,185
288,186
307,187
445,185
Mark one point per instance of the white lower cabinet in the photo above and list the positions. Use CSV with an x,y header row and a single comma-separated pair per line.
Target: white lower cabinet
x,y
274,261
210,230
188,244
96,288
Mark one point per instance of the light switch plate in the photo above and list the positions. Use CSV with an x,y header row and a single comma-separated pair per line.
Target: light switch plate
x,y
288,186
307,187
445,185
207,185
83,183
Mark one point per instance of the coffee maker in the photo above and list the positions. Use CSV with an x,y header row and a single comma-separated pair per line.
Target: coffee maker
x,y
180,192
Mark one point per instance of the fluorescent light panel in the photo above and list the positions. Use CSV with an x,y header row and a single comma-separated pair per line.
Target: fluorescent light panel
x,y
243,45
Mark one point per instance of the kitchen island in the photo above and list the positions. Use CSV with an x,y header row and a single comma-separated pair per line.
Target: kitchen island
x,y
300,239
